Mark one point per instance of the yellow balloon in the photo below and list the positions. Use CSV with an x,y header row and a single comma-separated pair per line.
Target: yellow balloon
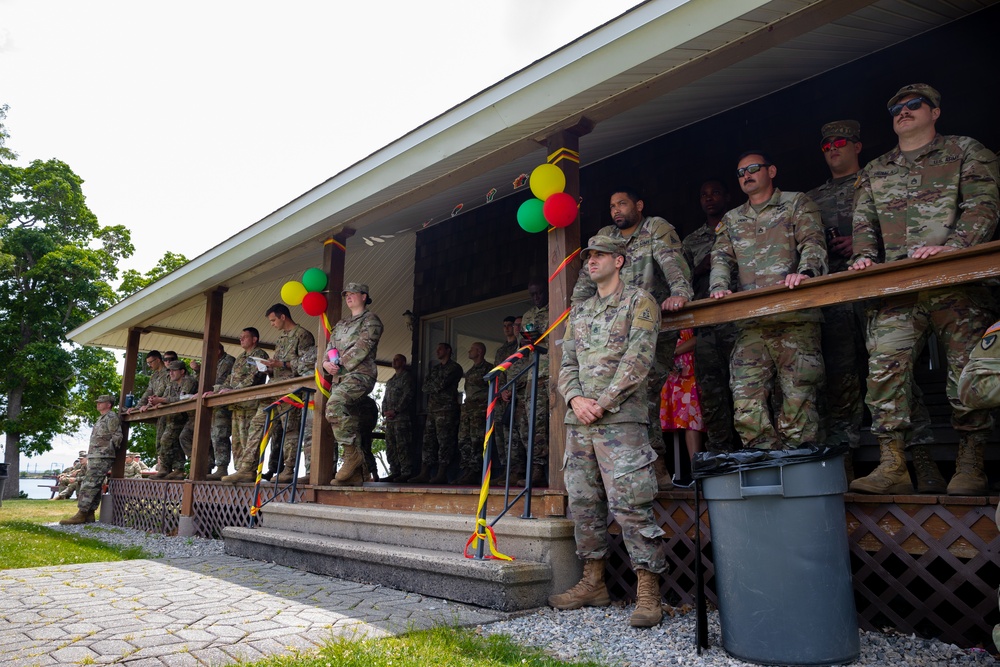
x,y
292,292
547,179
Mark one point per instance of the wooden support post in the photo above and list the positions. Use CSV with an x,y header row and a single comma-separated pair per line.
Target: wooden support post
x,y
334,258
563,150
128,384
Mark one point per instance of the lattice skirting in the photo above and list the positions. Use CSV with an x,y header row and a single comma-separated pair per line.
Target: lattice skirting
x,y
155,506
928,568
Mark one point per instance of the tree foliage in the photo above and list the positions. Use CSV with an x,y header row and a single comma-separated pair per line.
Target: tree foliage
x,y
56,267
133,281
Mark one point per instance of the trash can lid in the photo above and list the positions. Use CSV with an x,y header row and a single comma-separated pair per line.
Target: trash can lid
x,y
708,464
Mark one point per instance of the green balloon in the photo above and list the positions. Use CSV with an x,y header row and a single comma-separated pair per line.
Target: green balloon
x,y
531,217
314,280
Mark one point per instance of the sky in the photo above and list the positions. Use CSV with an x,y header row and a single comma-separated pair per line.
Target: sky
x,y
189,121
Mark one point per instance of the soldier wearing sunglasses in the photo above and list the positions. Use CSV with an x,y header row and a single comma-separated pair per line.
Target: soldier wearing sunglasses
x,y
775,238
931,194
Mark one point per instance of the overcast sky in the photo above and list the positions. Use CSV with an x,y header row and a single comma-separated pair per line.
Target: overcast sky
x,y
189,121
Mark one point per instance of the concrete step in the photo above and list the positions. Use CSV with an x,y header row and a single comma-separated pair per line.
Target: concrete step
x,y
496,584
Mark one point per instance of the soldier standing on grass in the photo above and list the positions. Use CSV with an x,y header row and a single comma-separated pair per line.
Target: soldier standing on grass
x,y
607,355
104,440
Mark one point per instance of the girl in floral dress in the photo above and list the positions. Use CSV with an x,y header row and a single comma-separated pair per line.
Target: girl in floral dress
x,y
680,406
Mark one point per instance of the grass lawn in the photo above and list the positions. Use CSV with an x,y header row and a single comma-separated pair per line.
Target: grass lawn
x,y
26,542
441,647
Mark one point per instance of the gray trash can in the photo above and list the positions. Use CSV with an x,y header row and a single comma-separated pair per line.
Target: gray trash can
x,y
3,480
782,564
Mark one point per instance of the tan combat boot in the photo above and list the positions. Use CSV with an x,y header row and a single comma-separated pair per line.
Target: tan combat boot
x,y
78,518
243,475
353,472
219,473
891,475
441,477
929,478
648,609
664,481
591,591
969,478
176,474
422,476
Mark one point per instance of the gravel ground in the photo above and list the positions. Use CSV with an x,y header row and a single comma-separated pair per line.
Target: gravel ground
x,y
602,633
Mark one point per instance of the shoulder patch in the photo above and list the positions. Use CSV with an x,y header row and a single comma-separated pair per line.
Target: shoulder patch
x,y
719,227
992,330
644,317
988,341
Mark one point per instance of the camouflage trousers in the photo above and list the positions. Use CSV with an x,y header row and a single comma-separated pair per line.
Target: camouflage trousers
x,y
398,436
979,385
187,435
292,425
222,430
471,433
845,359
68,490
713,348
255,435
168,447
89,496
343,421
522,414
897,327
786,355
505,431
440,433
241,436
608,467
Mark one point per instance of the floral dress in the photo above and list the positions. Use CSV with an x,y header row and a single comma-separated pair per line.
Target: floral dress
x,y
680,405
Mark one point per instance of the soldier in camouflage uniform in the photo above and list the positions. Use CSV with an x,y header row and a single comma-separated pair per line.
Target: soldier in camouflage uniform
x,y
713,344
534,322
175,442
305,365
657,265
472,419
844,353
606,357
69,480
397,408
775,238
245,374
132,469
979,388
441,429
157,387
291,342
350,360
502,415
930,194
104,440
222,421
397,411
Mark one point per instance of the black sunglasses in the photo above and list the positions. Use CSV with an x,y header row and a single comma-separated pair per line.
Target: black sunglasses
x,y
750,169
828,146
912,105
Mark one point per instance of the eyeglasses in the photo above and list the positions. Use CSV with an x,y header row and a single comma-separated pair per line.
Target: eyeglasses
x,y
750,169
912,105
839,142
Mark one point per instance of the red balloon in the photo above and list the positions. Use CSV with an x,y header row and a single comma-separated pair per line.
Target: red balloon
x,y
560,209
314,303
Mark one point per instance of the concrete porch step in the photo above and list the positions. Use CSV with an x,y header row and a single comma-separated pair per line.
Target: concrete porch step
x,y
496,584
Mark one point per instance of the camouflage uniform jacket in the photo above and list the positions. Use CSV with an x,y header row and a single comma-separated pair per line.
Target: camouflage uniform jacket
x,y
476,388
188,384
132,471
290,345
656,262
835,200
244,373
400,391
535,320
607,353
305,363
946,196
785,237
356,339
224,368
106,436
157,386
697,248
441,386
979,384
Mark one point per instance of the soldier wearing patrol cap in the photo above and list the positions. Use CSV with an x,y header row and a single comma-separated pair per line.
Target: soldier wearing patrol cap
x,y
104,440
931,194
608,350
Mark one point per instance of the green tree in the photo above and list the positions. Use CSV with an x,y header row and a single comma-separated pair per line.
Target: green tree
x,y
56,267
133,281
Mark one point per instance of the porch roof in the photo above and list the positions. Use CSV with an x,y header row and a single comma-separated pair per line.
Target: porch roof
x,y
661,66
